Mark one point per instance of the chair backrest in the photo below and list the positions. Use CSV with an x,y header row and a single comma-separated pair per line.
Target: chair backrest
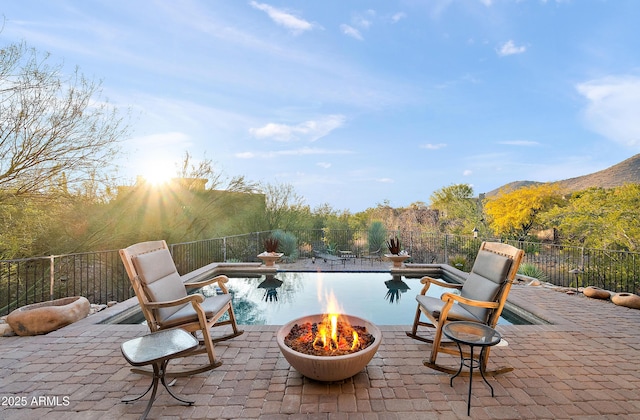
x,y
154,278
490,278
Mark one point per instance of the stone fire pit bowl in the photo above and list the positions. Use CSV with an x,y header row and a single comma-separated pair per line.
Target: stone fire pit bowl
x,y
329,368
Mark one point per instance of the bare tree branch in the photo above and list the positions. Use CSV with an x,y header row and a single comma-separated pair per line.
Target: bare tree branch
x,y
51,124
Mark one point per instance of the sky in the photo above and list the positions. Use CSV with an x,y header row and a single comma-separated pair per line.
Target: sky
x,y
354,103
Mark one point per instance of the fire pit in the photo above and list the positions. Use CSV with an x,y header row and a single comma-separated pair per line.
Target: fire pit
x,y
338,360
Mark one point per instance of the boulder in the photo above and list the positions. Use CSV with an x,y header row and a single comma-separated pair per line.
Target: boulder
x,y
626,299
596,293
44,317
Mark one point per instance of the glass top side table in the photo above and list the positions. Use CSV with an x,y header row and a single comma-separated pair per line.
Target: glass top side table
x,y
474,335
157,349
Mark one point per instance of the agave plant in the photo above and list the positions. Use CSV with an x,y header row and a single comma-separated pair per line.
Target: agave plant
x,y
394,245
271,244
532,270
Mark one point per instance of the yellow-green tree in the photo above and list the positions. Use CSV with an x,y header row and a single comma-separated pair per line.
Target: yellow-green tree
x,y
600,218
513,214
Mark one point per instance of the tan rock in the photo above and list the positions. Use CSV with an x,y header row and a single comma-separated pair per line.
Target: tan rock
x,y
626,299
596,293
44,317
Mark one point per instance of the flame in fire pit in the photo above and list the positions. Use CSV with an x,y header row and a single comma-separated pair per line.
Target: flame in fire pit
x,y
330,339
332,336
328,336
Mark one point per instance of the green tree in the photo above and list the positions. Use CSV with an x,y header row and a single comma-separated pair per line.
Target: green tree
x,y
285,209
513,214
600,218
459,211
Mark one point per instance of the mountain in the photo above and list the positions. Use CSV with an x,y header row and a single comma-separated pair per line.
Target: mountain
x,y
625,172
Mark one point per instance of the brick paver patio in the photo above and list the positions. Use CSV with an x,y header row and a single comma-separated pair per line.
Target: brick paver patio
x,y
583,366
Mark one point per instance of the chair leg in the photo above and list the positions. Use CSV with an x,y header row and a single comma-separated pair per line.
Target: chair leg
x,y
234,325
208,343
414,329
437,338
416,320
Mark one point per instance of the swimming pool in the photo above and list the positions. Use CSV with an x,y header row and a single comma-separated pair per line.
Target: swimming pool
x,y
378,297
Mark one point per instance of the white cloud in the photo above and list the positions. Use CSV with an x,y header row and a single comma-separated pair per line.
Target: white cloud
x,y
324,165
351,31
510,48
467,172
385,180
612,108
284,18
398,17
308,131
245,155
431,146
305,151
520,143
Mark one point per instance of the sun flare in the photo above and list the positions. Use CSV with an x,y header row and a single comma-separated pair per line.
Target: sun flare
x,y
157,176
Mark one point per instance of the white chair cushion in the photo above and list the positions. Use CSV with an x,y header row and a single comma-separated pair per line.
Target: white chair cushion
x,y
160,280
211,306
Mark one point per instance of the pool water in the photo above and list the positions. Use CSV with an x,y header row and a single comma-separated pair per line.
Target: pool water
x,y
377,297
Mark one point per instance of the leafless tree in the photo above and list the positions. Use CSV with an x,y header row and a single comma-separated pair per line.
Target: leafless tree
x,y
52,126
191,169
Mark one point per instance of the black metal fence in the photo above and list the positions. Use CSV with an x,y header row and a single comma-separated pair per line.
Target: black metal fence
x,y
100,276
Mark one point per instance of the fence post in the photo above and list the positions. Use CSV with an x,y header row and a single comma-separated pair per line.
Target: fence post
x,y
446,248
224,249
52,267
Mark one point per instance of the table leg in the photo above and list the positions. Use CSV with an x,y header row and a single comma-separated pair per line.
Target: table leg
x,y
159,371
162,378
482,369
128,400
156,376
470,380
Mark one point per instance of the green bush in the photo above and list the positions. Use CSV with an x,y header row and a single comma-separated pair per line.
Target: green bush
x,y
459,262
377,236
532,270
287,244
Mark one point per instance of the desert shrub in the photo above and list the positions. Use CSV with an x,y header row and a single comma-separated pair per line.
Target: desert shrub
x,y
287,244
532,270
459,262
377,236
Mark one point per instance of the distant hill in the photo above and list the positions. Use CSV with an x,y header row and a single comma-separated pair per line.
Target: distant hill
x,y
625,172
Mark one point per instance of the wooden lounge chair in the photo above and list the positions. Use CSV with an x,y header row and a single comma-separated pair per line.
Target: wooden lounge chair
x,y
165,303
481,299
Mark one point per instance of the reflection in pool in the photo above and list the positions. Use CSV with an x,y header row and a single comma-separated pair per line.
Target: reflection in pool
x,y
377,297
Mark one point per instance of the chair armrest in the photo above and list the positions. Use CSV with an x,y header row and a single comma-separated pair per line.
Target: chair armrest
x,y
221,280
450,297
428,281
197,298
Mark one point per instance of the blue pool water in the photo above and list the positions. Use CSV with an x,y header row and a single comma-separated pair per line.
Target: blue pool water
x,y
377,297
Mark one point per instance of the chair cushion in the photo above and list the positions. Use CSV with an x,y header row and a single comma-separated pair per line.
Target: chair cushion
x,y
434,307
488,275
492,266
160,280
211,305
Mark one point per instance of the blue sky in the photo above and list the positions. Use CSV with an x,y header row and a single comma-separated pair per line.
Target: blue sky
x,y
358,103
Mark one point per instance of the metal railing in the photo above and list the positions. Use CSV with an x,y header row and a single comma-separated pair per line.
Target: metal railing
x,y
100,276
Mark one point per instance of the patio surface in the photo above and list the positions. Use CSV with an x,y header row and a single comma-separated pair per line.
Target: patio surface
x,y
584,366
